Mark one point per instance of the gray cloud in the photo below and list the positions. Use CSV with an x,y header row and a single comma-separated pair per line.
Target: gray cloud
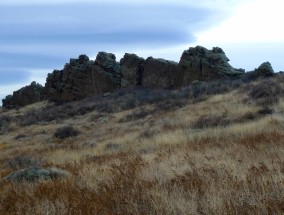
x,y
100,23
92,25
46,36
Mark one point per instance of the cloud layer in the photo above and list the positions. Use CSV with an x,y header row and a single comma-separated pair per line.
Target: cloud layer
x,y
44,35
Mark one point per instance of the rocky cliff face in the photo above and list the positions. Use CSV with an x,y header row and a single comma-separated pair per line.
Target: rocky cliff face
x,y
83,77
202,64
26,95
132,68
159,73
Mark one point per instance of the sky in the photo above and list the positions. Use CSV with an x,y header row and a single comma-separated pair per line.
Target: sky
x,y
38,36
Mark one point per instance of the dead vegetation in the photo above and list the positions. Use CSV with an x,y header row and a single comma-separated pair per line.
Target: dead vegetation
x,y
200,150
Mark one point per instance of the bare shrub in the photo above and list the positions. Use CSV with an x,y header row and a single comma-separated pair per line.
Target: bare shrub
x,y
20,136
266,92
5,122
112,146
136,115
65,132
210,121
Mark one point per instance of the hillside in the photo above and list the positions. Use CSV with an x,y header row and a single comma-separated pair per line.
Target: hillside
x,y
206,148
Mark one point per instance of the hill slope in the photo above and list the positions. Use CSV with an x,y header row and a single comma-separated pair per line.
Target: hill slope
x,y
209,148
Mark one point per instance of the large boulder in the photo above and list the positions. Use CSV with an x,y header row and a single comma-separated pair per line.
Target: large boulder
x,y
36,174
25,96
201,64
265,69
82,78
131,70
159,73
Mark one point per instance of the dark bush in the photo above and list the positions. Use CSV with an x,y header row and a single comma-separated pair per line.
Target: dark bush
x,y
5,123
210,121
106,107
30,118
20,136
136,115
266,92
65,132
249,116
265,111
112,146
148,134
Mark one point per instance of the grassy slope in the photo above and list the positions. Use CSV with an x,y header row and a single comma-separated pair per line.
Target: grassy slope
x,y
176,153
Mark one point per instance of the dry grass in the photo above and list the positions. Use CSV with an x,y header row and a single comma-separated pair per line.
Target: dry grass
x,y
142,160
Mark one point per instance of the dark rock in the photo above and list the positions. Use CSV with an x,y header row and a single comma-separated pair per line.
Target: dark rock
x,y
36,174
25,96
82,78
159,73
107,62
131,70
265,69
202,64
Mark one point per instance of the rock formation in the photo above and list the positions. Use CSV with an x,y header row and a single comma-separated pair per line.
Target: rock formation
x,y
265,69
26,95
201,64
83,77
131,70
159,73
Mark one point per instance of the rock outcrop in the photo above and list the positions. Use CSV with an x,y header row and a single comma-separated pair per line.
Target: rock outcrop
x,y
131,70
33,174
201,64
159,73
25,96
265,69
82,78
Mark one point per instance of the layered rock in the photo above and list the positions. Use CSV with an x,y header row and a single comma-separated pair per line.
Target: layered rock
x,y
82,78
25,96
159,73
107,64
131,70
201,64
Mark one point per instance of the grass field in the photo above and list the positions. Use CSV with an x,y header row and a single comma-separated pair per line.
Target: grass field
x,y
213,148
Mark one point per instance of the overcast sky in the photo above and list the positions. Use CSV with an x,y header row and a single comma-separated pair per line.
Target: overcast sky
x,y
37,37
